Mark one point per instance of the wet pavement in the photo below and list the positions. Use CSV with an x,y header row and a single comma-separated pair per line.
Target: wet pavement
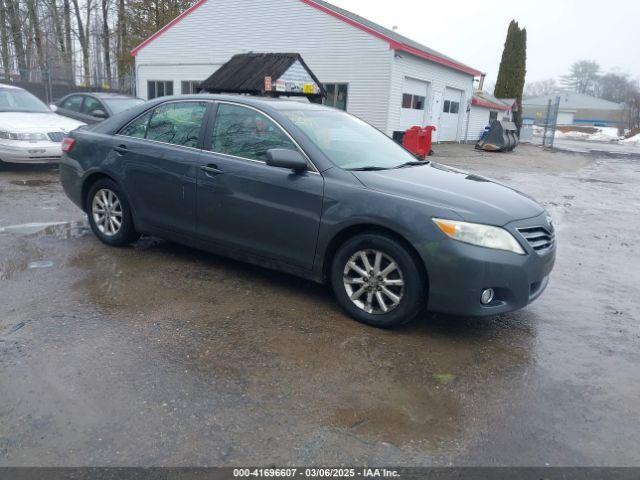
x,y
162,355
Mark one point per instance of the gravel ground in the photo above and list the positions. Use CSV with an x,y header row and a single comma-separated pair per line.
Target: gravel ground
x,y
162,355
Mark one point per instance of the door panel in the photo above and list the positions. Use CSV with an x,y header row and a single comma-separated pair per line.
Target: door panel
x,y
161,182
160,160
244,203
451,112
263,210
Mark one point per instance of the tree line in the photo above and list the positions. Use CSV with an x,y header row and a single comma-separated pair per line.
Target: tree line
x,y
585,76
82,42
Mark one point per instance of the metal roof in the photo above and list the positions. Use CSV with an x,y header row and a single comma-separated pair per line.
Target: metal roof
x,y
572,101
246,72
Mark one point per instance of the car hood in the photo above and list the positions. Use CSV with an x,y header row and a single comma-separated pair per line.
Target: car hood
x,y
474,198
36,122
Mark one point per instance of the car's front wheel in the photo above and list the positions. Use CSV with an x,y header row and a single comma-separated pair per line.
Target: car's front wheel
x,y
110,215
377,280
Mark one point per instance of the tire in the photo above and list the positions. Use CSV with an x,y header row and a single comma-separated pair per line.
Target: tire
x,y
405,282
105,195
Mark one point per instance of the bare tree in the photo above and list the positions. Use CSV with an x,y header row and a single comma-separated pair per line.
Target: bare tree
x,y
105,40
583,77
4,41
540,88
34,20
83,38
15,26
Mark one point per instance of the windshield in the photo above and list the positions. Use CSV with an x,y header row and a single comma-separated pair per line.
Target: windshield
x,y
15,100
347,141
118,105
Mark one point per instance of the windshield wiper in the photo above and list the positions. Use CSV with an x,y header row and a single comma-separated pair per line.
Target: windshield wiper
x,y
367,169
415,163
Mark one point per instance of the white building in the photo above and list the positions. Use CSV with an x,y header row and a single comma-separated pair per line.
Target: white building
x,y
485,108
375,73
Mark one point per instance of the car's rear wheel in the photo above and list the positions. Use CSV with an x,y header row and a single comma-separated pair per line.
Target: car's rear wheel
x,y
377,281
110,215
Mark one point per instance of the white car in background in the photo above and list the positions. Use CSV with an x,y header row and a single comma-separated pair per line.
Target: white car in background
x,y
29,131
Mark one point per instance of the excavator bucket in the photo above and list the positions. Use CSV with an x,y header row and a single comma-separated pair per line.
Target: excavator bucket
x,y
501,137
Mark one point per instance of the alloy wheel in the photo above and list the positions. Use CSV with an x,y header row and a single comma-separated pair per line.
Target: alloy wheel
x,y
107,212
373,281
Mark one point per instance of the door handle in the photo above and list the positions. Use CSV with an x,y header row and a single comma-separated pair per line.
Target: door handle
x,y
211,169
121,149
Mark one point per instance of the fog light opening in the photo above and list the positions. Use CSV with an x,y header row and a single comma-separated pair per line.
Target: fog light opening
x,y
487,296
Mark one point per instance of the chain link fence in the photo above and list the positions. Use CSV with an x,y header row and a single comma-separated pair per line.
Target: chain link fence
x,y
50,88
550,123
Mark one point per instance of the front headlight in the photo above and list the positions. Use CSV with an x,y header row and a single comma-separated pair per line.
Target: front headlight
x,y
478,234
24,137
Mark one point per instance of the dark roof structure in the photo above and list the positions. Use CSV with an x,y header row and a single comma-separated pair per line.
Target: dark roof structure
x,y
265,74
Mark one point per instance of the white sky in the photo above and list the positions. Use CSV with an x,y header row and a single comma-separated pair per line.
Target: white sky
x,y
558,32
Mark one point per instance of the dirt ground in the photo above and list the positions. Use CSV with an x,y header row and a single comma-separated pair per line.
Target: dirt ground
x,y
162,355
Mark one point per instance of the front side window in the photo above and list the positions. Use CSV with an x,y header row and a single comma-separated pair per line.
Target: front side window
x,y
73,103
336,95
159,88
91,105
347,141
177,123
137,128
246,133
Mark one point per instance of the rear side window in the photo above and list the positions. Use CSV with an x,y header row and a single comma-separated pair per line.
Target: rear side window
x,y
246,133
73,103
177,123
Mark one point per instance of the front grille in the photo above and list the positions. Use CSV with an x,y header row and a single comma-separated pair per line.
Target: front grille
x,y
55,136
539,238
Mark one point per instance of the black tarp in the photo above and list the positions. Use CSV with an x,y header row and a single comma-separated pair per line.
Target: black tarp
x,y
245,73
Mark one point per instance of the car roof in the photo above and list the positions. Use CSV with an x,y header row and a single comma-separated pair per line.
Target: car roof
x,y
104,95
276,103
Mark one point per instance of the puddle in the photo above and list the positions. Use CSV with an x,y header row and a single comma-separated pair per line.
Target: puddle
x,y
33,183
40,264
61,230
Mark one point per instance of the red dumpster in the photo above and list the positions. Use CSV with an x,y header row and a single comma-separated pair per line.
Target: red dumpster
x,y
418,140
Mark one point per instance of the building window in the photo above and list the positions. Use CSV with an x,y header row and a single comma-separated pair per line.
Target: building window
x,y
187,87
493,115
336,95
159,88
415,102
451,107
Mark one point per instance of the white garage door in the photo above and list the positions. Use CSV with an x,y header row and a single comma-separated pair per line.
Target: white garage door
x,y
565,118
450,115
414,104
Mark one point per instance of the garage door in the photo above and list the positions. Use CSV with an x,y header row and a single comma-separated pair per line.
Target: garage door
x,y
450,117
414,105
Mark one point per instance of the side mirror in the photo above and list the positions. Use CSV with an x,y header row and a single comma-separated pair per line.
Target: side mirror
x,y
283,158
53,107
99,113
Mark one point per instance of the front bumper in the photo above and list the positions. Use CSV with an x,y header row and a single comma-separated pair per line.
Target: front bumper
x,y
458,273
26,152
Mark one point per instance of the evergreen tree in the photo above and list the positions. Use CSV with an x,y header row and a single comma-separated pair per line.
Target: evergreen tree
x,y
513,68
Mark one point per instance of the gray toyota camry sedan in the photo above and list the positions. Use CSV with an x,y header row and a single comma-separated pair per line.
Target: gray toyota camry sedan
x,y
315,192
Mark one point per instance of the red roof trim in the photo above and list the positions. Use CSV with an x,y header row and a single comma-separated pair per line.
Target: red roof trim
x,y
487,104
393,44
167,26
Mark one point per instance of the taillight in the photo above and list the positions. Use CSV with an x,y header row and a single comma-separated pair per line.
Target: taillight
x,y
67,144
